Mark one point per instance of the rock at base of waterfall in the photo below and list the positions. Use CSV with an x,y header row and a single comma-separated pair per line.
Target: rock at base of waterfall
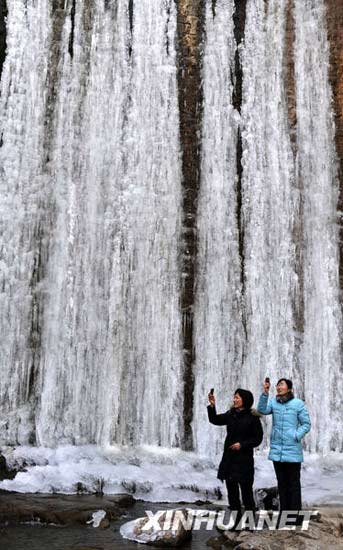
x,y
172,538
325,531
267,498
5,472
99,519
62,509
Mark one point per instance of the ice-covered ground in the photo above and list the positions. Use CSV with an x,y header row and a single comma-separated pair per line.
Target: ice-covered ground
x,y
155,474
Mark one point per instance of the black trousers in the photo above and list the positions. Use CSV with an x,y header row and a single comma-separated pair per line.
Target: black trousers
x,y
288,480
233,495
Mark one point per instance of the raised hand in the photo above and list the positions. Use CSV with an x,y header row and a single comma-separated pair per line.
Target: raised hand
x,y
266,385
211,399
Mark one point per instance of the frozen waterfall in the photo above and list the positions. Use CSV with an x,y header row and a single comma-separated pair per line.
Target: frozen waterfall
x,y
91,348
97,202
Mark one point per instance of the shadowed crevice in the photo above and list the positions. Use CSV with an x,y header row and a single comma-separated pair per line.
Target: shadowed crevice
x,y
190,23
72,30
298,225
35,326
167,29
130,8
36,322
3,45
239,19
289,68
334,19
131,15
239,191
53,79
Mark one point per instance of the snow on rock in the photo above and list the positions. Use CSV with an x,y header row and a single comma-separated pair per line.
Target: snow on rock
x,y
155,474
139,530
97,518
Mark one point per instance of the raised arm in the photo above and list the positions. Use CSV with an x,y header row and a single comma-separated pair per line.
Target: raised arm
x,y
304,421
264,405
216,419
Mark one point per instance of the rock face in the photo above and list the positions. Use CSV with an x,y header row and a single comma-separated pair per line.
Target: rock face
x,y
5,473
335,34
190,20
3,467
325,533
267,498
61,509
3,13
290,77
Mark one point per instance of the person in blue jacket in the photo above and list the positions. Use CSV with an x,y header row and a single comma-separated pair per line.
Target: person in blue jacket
x,y
291,422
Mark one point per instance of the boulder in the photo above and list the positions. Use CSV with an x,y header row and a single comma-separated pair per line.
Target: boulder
x,y
165,538
5,472
104,523
267,498
216,542
61,509
320,535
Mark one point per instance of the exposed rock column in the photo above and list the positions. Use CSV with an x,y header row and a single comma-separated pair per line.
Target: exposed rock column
x,y
290,72
239,19
190,17
3,13
44,222
298,228
335,35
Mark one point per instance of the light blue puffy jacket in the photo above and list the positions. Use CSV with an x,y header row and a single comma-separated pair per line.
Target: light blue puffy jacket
x,y
291,422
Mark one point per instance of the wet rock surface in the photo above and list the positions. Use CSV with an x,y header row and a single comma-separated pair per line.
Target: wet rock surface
x,y
3,14
334,16
140,531
322,534
18,508
5,472
326,531
267,498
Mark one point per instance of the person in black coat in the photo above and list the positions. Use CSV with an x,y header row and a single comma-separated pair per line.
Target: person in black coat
x,y
244,432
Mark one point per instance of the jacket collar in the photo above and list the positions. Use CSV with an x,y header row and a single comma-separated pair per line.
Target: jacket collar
x,y
285,398
239,411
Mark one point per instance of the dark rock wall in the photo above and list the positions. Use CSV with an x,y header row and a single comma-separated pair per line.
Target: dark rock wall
x,y
239,18
334,11
298,229
3,13
190,22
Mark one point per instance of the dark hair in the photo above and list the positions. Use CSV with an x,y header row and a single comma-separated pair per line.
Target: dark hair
x,y
287,381
247,397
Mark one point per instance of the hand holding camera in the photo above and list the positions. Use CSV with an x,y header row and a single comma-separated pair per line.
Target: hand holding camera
x,y
266,385
211,398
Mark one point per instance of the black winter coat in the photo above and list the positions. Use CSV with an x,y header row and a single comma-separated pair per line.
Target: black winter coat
x,y
243,427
